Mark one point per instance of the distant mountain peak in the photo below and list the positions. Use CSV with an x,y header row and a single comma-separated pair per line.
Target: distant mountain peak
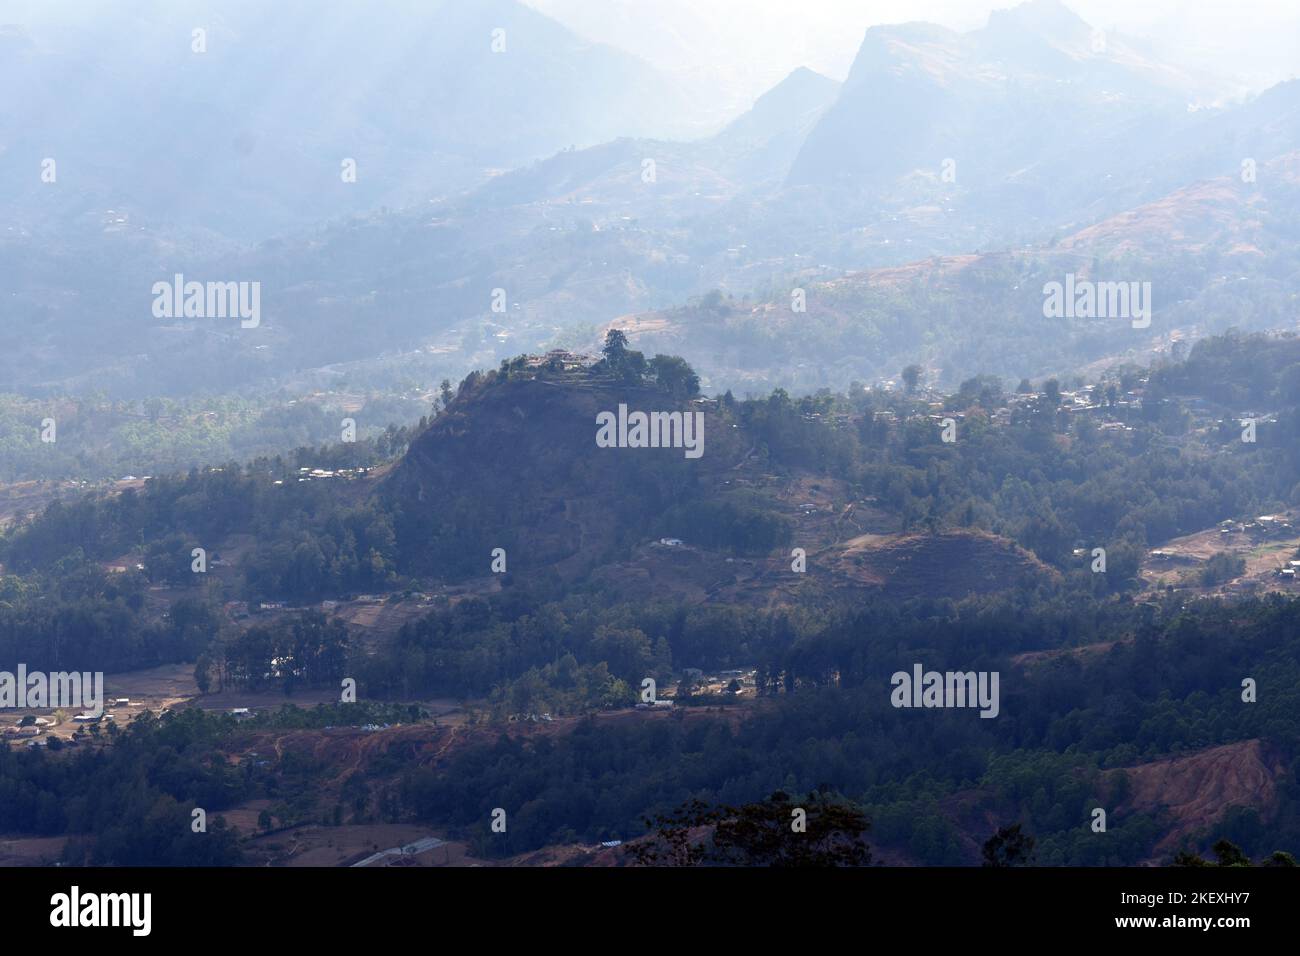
x,y
916,92
798,83
784,113
803,74
1047,18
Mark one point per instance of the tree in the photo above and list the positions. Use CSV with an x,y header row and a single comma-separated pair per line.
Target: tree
x,y
715,301
985,390
1228,854
202,673
912,377
615,350
758,834
1221,567
623,362
1009,847
673,375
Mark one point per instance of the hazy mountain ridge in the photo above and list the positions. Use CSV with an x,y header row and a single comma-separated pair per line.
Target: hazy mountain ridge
x,y
248,137
1011,104
635,225
1217,254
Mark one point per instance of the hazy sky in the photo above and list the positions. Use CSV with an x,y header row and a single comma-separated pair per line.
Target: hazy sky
x,y
750,44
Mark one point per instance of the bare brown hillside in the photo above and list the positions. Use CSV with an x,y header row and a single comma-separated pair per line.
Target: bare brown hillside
x,y
1198,789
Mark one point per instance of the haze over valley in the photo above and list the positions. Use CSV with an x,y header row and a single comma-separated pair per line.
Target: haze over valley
x,y
596,433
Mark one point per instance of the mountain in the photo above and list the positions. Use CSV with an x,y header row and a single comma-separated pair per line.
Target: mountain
x,y
763,142
643,226
247,138
1032,109
574,238
1217,254
513,463
726,52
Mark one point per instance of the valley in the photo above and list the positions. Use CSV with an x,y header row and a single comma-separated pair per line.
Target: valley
x,y
510,442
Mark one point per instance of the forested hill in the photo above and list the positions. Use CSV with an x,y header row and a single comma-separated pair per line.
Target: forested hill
x,y
514,463
819,543
863,482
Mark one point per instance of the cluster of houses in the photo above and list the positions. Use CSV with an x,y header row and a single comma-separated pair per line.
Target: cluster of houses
x,y
324,474
29,732
1073,403
1112,407
1288,573
723,683
1263,527
559,360
34,732
1270,526
1077,403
